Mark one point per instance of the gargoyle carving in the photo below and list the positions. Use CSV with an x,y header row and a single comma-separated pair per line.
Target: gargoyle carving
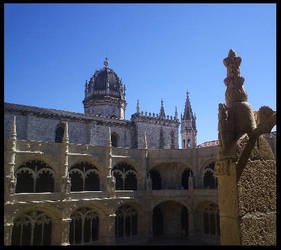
x,y
237,118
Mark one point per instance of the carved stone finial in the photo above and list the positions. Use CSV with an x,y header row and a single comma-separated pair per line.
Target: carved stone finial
x,y
162,111
235,91
232,63
106,62
176,113
13,134
66,135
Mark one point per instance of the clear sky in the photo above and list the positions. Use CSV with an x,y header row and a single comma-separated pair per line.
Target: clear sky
x,y
159,50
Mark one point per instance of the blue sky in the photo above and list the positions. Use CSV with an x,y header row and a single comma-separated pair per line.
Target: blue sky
x,y
159,50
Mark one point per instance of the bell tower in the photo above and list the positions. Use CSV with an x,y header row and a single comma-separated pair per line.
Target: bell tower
x,y
188,126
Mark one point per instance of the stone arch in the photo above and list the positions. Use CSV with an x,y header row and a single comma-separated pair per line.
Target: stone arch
x,y
127,221
209,219
35,176
125,175
170,225
84,226
84,177
34,226
209,179
170,173
186,173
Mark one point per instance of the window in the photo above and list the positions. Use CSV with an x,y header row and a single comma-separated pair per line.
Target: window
x,y
126,222
155,179
34,177
84,227
157,222
125,176
114,139
185,176
209,179
60,132
84,177
211,223
33,228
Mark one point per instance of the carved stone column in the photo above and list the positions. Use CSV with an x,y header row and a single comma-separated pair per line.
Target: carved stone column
x,y
108,237
8,229
65,227
10,169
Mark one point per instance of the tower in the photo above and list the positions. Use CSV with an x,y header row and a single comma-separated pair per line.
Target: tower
x,y
105,94
188,126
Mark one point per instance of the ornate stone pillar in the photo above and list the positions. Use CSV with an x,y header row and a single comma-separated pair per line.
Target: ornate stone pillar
x,y
65,224
108,237
8,229
66,183
10,170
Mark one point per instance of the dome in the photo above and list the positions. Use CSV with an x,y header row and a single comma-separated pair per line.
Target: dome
x,y
105,82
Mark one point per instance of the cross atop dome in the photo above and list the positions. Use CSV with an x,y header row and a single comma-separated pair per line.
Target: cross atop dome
x,y
106,62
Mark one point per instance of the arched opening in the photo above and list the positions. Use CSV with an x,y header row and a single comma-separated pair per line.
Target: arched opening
x,y
33,228
25,181
157,222
209,179
211,220
60,133
185,176
92,180
126,222
167,224
125,176
114,139
84,177
84,227
155,179
34,176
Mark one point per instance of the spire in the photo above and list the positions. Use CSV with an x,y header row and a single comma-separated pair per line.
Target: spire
x,y
138,107
187,109
66,136
162,112
176,113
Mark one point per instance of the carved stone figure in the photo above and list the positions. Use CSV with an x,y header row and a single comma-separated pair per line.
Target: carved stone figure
x,y
244,160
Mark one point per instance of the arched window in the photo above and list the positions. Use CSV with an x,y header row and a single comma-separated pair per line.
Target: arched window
x,y
155,179
59,132
185,175
114,139
84,177
33,228
209,179
34,177
84,227
211,220
125,176
157,222
172,134
126,222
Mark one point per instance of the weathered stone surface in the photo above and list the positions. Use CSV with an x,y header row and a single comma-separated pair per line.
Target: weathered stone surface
x,y
258,229
257,187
